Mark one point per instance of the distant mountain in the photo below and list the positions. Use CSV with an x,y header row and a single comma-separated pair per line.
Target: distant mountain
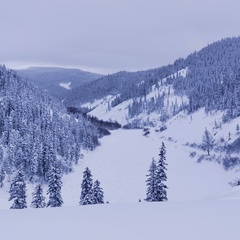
x,y
209,78
57,81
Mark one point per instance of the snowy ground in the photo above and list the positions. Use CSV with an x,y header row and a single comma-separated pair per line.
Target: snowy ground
x,y
201,205
122,162
141,221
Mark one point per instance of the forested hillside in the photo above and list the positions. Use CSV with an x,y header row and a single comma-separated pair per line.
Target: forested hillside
x,y
124,84
213,79
36,133
209,78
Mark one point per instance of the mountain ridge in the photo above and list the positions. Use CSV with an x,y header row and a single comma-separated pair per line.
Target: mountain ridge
x,y
57,80
210,80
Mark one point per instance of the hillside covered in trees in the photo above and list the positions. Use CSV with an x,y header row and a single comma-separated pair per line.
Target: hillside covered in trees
x,y
36,132
208,78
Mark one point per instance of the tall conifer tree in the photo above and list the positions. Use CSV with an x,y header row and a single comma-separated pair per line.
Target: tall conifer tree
x,y
17,191
156,188
55,185
151,195
161,175
86,196
98,196
38,198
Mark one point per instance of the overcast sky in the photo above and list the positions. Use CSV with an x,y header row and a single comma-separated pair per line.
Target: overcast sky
x,y
107,36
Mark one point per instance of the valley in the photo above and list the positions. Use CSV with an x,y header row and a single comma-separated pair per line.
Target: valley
x,y
201,205
119,120
122,160
192,106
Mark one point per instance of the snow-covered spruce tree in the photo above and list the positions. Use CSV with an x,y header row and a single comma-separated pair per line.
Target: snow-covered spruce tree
x,y
237,129
17,191
34,163
1,154
156,189
2,177
161,176
86,196
207,141
54,186
2,173
98,196
38,198
48,154
151,194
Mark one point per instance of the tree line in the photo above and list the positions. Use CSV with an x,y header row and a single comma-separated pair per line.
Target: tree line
x,y
37,133
91,191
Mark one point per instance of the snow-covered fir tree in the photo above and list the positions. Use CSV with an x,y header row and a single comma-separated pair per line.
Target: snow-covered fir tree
x,y
2,173
54,186
207,141
151,194
17,191
156,188
2,177
98,195
237,129
161,175
86,196
38,198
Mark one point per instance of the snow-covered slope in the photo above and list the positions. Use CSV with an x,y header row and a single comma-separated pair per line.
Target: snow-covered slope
x,y
122,161
140,221
102,108
202,205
